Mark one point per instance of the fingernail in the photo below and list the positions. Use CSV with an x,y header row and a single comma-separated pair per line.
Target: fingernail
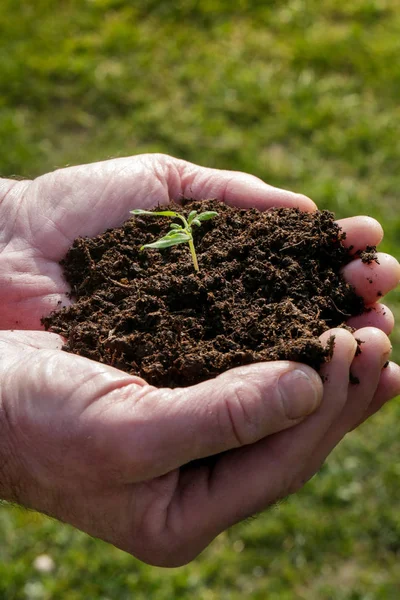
x,y
301,392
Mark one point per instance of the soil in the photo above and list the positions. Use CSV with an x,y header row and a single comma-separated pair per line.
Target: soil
x,y
269,284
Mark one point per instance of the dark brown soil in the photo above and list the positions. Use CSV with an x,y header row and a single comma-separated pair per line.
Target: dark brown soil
x,y
269,285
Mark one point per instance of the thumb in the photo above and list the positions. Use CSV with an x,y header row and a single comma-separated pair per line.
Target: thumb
x,y
144,430
237,408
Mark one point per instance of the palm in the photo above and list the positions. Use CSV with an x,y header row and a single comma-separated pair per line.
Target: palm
x,y
53,211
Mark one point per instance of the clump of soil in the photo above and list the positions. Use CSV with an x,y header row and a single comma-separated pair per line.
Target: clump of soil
x,y
269,285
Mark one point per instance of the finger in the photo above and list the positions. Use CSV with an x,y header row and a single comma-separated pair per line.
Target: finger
x,y
37,370
372,281
266,471
366,368
237,408
236,188
376,315
32,339
361,231
388,388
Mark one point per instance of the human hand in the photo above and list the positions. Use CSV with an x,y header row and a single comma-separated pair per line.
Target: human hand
x,y
111,455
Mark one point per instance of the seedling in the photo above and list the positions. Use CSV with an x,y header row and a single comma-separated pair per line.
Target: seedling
x,y
178,234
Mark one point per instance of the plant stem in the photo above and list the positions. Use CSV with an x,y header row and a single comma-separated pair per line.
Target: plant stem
x,y
191,245
193,253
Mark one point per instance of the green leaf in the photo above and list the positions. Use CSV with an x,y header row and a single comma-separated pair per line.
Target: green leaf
x,y
176,226
167,242
160,244
139,211
166,213
192,215
196,222
206,216
175,232
160,213
183,235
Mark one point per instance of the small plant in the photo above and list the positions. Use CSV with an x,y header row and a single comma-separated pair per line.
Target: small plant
x,y
179,234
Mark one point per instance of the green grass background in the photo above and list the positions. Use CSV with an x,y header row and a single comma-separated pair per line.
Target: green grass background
x,y
304,94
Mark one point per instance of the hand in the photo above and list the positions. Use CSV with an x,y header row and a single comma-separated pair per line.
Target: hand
x,y
119,459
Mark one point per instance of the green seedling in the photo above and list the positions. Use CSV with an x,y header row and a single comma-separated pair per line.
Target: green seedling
x,y
178,234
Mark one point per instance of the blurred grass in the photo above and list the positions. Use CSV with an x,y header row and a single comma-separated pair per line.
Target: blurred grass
x,y
304,94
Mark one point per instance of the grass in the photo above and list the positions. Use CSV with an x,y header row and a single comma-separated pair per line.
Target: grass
x,y
302,93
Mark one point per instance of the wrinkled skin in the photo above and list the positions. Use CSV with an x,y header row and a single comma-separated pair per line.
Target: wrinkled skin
x,y
108,453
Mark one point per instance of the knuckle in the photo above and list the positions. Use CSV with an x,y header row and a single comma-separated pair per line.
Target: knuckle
x,y
160,545
288,475
168,555
296,484
173,554
241,412
288,486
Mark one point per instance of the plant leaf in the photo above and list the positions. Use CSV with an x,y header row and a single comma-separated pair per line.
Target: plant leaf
x,y
161,213
167,213
167,242
206,216
183,235
176,233
139,211
196,222
192,215
176,226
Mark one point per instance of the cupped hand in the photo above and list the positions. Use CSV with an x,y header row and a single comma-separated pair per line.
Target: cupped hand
x,y
121,460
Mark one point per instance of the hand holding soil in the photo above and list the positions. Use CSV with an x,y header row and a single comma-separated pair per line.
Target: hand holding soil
x,y
122,460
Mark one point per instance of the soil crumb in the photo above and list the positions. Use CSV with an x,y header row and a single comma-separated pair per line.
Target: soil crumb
x,y
269,284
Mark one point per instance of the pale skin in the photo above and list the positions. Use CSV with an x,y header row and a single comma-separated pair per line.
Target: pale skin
x,y
106,452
